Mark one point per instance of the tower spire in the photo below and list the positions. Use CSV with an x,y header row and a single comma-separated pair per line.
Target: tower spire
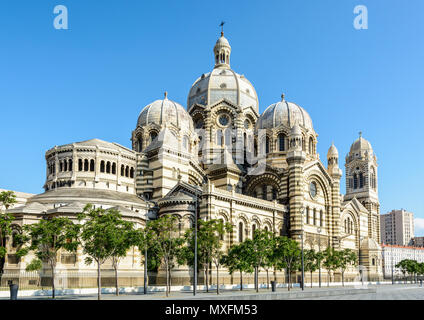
x,y
222,28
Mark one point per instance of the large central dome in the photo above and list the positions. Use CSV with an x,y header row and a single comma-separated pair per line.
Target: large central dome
x,y
223,83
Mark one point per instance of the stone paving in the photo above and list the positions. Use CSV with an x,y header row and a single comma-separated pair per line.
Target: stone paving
x,y
383,292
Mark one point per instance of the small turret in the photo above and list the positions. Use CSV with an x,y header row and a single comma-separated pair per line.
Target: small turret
x,y
333,162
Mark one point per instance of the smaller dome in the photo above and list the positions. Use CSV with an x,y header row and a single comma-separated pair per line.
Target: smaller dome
x,y
284,113
222,41
332,152
161,112
361,144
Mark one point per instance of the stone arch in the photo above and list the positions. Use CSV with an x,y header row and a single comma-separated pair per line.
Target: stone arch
x,y
266,178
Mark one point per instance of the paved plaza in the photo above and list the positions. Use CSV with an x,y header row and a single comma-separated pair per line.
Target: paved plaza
x,y
373,292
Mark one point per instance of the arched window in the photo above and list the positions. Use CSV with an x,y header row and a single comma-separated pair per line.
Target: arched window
x,y
281,140
65,165
79,164
311,145
60,166
185,143
122,170
114,168
255,148
85,165
70,165
320,218
132,173
266,228
264,192
303,144
307,215
345,226
274,193
373,179
127,171
361,180
314,217
267,145
227,133
153,136
219,137
255,194
355,181
240,232
140,144
253,230
91,165
102,166
108,167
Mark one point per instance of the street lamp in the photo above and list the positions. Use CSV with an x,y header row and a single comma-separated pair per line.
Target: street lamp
x,y
302,209
319,252
359,260
195,249
391,253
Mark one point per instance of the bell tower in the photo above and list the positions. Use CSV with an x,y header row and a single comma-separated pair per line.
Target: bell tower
x,y
361,182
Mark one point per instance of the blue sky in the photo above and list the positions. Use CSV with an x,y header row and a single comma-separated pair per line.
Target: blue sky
x,y
92,80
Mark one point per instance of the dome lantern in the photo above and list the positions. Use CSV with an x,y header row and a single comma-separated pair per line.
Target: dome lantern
x,y
222,52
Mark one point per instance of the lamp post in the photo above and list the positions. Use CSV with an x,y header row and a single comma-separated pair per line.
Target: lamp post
x,y
319,253
195,249
303,264
391,253
359,260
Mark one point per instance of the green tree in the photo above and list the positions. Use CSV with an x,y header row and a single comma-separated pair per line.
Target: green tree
x,y
287,254
236,260
310,262
165,234
216,237
404,266
346,258
122,239
7,198
46,239
331,262
210,235
259,249
142,239
101,239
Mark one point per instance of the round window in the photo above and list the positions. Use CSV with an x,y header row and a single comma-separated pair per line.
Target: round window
x,y
223,120
246,124
313,189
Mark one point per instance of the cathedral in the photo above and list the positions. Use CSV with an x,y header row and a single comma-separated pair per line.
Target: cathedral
x,y
221,158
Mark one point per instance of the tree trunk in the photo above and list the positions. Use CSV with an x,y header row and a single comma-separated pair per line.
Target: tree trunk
x,y
170,279
241,280
116,280
217,279
311,279
328,279
257,278
288,274
167,278
267,279
343,278
53,286
207,278
99,282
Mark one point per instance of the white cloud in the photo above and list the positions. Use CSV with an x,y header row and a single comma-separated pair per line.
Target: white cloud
x,y
419,223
